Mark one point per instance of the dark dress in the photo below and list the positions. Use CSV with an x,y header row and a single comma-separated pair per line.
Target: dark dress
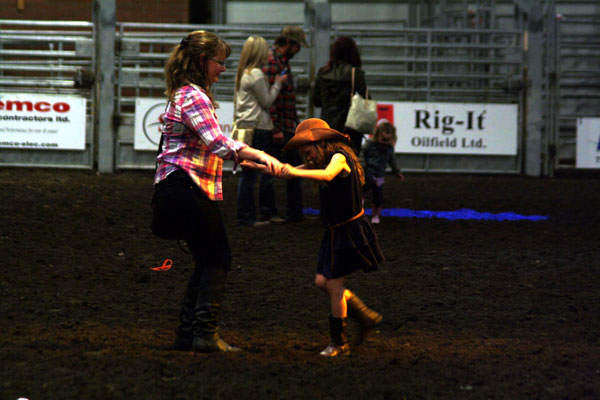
x,y
348,244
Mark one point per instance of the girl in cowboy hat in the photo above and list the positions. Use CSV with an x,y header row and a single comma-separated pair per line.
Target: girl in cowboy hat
x,y
349,242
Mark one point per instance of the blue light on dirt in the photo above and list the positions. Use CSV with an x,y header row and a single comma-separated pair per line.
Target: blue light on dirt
x,y
463,213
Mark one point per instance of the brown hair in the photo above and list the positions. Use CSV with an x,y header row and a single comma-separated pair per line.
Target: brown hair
x,y
343,51
326,149
281,41
384,128
187,62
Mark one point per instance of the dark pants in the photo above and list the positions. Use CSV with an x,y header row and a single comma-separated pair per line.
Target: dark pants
x,y
201,220
371,184
293,203
246,214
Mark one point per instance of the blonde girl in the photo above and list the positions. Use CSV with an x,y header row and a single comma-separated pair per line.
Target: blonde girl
x,y
252,98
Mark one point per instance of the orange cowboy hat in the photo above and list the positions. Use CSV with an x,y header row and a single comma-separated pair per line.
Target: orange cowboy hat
x,y
312,130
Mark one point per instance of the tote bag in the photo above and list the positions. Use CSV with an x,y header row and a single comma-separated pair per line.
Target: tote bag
x,y
362,115
243,135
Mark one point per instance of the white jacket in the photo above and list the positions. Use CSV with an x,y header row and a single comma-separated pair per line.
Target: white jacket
x,y
253,99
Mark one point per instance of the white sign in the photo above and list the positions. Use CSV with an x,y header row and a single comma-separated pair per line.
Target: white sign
x,y
588,143
149,114
453,128
42,121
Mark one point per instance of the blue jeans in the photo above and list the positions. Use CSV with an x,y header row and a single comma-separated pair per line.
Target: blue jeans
x,y
246,214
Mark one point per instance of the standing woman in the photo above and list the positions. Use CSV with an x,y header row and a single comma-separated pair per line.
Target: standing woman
x,y
188,183
252,98
333,87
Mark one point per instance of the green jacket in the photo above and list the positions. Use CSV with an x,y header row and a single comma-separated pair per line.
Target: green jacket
x,y
332,93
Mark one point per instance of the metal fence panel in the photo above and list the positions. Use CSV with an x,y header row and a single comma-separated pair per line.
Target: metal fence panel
x,y
444,65
401,64
577,81
142,52
48,57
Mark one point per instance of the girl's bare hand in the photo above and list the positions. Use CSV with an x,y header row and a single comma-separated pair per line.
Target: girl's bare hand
x,y
255,166
273,165
287,172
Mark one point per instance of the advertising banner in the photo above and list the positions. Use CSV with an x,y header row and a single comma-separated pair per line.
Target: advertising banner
x,y
453,128
149,119
588,143
42,121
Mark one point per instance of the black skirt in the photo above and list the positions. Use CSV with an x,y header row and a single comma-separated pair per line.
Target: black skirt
x,y
348,248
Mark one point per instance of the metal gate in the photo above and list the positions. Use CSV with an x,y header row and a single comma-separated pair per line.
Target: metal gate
x,y
48,57
141,54
444,65
402,64
573,81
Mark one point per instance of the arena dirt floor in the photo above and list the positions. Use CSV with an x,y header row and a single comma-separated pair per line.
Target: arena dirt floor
x,y
473,309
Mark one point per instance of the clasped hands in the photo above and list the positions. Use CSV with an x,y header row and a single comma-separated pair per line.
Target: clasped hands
x,y
272,166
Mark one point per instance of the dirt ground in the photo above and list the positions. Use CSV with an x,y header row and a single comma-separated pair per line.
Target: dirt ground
x,y
472,309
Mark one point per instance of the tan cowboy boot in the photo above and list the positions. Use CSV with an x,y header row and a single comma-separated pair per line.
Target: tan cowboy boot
x,y
367,318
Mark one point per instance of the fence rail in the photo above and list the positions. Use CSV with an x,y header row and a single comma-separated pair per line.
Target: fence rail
x,y
577,81
401,64
142,51
51,57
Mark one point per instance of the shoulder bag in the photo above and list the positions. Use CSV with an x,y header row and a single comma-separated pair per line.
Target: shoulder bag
x,y
362,115
243,135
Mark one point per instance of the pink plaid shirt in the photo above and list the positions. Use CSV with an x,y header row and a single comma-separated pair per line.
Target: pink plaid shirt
x,y
193,141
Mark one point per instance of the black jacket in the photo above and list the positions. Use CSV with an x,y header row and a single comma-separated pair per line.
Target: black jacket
x,y
332,93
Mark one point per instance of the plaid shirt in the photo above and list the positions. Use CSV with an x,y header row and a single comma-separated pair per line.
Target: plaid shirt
x,y
283,110
193,141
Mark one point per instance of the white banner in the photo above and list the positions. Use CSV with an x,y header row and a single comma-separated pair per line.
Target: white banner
x,y
588,143
42,121
149,119
453,128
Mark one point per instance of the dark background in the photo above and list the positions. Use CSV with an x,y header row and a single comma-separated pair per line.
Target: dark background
x,y
472,309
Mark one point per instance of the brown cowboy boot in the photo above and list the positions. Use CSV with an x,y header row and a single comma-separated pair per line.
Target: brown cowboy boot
x,y
183,334
206,317
339,344
367,318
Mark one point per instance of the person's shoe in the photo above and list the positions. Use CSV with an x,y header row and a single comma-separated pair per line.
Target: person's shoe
x,y
367,318
293,220
256,224
182,343
211,343
375,219
334,351
338,344
276,220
